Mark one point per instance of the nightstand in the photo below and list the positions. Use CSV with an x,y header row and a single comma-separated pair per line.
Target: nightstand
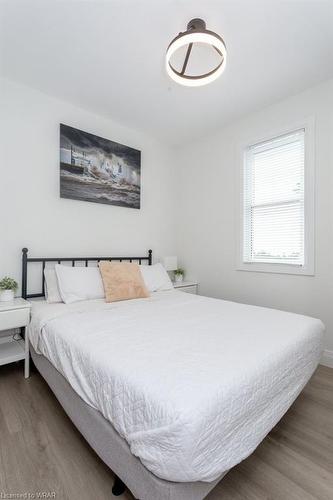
x,y
15,314
186,286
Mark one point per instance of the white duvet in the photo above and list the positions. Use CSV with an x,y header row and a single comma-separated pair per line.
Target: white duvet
x,y
193,384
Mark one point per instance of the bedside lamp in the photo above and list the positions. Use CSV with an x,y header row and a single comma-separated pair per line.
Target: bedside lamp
x,y
170,263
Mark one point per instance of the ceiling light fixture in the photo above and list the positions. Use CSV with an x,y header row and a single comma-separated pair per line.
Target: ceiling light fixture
x,y
196,33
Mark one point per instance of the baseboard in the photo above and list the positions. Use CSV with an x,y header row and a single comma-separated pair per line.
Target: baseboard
x,y
327,358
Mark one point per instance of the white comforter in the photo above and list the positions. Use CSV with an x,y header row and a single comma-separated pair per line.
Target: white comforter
x,y
193,384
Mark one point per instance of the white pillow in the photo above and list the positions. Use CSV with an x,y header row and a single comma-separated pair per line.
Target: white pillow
x,y
52,293
156,278
79,283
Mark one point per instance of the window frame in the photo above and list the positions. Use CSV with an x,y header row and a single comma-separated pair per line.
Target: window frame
x,y
309,203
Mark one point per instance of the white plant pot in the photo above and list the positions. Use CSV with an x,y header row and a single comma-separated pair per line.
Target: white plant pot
x,y
179,278
6,295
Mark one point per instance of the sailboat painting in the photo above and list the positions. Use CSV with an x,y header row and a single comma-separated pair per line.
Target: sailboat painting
x,y
98,170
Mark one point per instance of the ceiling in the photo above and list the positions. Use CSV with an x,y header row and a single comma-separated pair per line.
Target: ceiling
x,y
108,57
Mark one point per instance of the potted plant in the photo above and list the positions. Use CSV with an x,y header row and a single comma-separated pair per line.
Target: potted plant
x,y
8,286
179,274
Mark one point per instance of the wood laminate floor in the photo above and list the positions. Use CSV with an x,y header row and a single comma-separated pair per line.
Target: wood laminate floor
x,y
41,451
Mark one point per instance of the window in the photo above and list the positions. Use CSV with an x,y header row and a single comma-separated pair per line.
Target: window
x,y
277,222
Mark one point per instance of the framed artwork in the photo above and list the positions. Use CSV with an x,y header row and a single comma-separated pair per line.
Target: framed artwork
x,y
98,170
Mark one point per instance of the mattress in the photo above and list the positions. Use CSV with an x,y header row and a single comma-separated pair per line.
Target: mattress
x,y
193,384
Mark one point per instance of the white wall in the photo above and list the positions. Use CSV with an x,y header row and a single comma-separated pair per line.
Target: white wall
x,y
208,222
202,207
32,213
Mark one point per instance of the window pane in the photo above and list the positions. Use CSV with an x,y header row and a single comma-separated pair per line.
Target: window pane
x,y
278,174
277,233
274,200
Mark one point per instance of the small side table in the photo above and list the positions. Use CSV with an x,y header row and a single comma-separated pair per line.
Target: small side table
x,y
15,314
186,286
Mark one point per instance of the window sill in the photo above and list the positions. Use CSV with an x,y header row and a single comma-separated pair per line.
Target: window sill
x,y
276,268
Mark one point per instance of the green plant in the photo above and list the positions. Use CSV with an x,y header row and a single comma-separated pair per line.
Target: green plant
x,y
8,284
179,272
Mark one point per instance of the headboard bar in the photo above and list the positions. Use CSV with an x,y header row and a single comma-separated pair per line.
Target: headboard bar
x,y
24,272
25,260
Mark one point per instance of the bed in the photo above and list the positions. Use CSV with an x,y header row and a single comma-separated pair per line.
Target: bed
x,y
174,390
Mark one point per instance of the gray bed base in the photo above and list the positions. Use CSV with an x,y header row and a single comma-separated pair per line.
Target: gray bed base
x,y
112,448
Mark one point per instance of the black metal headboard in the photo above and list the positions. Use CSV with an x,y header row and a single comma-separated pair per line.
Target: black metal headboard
x,y
86,260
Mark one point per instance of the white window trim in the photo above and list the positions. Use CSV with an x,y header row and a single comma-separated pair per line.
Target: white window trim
x,y
309,203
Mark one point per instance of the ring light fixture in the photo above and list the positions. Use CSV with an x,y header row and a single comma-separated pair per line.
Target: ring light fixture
x,y
196,33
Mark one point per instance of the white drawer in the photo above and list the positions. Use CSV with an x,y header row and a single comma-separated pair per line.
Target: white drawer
x,y
14,318
188,289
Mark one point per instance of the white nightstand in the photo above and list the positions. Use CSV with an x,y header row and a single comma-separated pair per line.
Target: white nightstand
x,y
186,286
15,314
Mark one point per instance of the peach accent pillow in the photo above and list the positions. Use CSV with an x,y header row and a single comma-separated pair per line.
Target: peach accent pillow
x,y
122,281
